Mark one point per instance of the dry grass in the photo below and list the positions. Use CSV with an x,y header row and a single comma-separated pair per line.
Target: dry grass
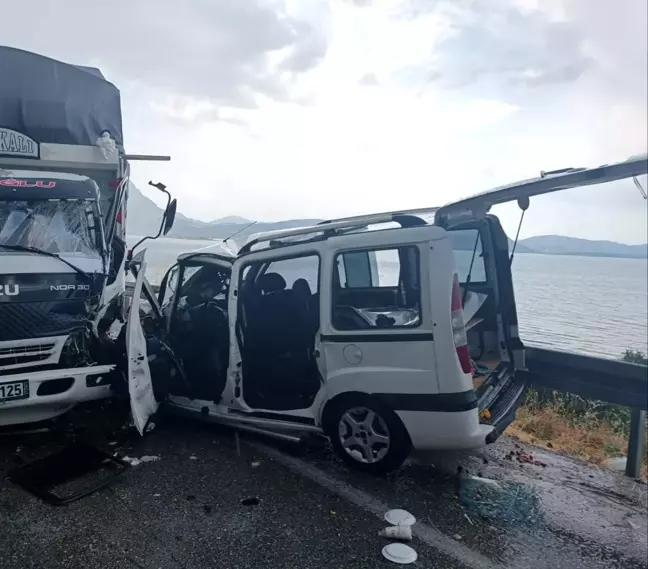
x,y
587,429
548,426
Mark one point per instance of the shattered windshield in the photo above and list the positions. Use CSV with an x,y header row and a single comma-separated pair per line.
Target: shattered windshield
x,y
55,226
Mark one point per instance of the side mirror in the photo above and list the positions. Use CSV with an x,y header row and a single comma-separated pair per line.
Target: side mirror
x,y
169,216
523,203
167,219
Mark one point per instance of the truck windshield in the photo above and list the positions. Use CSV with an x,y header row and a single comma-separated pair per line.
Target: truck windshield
x,y
55,226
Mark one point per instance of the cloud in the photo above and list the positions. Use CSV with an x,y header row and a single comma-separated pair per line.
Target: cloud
x,y
369,80
616,39
351,106
516,49
227,51
503,45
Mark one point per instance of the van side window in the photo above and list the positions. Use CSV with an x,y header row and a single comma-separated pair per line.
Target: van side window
x,y
202,283
383,292
356,269
304,268
465,242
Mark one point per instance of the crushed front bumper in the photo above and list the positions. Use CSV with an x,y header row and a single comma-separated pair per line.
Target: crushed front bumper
x,y
48,394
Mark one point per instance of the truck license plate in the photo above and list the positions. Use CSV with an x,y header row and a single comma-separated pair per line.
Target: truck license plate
x,y
14,390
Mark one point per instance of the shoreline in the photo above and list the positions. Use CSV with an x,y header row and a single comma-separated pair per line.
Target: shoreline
x,y
543,253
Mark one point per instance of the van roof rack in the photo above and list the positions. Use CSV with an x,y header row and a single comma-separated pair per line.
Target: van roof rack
x,y
396,213
330,228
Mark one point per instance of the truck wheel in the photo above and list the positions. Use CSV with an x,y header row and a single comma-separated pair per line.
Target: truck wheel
x,y
368,436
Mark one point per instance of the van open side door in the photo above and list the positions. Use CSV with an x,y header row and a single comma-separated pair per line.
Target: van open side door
x,y
140,386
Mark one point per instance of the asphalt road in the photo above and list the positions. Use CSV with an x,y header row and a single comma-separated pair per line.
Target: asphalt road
x,y
184,509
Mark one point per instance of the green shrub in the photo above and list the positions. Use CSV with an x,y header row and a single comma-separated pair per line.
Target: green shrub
x,y
635,357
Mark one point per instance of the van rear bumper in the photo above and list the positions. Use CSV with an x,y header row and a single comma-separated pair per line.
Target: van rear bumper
x,y
505,409
54,392
435,430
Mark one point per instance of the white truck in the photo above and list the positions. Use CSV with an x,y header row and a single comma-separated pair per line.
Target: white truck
x,y
64,179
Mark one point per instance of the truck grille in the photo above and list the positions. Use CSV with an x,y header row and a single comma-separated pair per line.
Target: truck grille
x,y
30,353
31,320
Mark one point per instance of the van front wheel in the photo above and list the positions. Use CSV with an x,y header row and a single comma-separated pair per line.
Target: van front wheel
x,y
368,436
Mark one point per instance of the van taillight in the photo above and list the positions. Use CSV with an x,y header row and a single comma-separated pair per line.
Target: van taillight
x,y
459,327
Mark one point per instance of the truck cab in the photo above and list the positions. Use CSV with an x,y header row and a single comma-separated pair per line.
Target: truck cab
x,y
64,181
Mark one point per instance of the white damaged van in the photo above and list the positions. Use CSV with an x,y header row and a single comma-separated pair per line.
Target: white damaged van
x,y
383,332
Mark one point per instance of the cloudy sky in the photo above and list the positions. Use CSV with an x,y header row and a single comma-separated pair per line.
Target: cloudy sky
x,y
320,108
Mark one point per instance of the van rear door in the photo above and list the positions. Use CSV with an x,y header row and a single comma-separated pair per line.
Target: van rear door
x,y
481,257
472,213
478,205
503,390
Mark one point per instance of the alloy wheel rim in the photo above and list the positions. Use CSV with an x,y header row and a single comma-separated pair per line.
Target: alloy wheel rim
x,y
364,435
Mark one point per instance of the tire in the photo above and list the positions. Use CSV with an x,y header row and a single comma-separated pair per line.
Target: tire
x,y
354,422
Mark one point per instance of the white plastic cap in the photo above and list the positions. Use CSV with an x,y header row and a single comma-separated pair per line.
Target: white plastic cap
x,y
399,553
400,518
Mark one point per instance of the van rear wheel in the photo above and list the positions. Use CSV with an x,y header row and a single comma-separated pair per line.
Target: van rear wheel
x,y
368,436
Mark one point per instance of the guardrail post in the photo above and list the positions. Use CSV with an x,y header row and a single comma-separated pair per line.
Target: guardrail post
x,y
636,443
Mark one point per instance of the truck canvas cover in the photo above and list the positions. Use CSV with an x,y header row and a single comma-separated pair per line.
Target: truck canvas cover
x,y
54,102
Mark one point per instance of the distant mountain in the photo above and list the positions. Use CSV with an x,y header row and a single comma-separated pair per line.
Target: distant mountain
x,y
559,245
465,241
231,219
144,219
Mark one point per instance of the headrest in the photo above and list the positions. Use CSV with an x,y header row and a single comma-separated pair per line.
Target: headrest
x,y
301,286
271,282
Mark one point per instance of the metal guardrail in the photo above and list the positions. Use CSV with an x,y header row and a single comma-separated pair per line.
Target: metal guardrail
x,y
613,381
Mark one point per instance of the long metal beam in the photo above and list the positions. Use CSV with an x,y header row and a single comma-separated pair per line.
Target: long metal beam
x,y
612,381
